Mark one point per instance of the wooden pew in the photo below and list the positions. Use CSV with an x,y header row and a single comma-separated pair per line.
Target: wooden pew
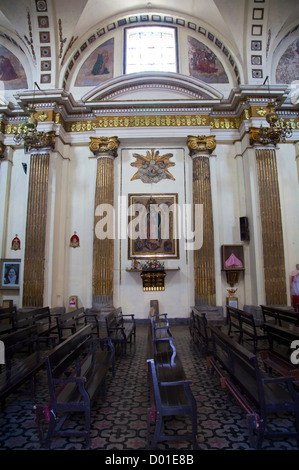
x,y
280,316
200,332
24,369
76,371
278,357
120,328
258,394
170,390
243,324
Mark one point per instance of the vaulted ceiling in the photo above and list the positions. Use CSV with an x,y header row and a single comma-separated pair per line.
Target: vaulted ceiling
x,y
50,37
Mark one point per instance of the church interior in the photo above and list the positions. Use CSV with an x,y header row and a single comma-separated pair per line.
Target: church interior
x,y
149,166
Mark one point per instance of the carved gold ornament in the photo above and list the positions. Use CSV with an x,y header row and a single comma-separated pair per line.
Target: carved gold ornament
x,y
201,143
152,167
104,144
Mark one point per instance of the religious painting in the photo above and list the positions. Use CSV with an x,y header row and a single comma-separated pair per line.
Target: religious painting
x,y
12,73
204,64
10,273
98,67
287,68
153,226
232,257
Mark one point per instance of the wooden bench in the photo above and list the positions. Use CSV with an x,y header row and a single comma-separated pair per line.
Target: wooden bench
x,y
278,357
70,322
243,324
279,316
76,370
160,325
7,316
171,395
20,370
257,393
200,331
170,391
38,316
120,328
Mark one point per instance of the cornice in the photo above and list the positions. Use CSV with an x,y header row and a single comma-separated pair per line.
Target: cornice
x,y
58,108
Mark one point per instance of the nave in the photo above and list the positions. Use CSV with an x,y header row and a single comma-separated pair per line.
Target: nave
x,y
121,422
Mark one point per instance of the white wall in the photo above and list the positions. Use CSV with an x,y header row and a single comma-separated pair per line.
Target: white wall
x,y
178,294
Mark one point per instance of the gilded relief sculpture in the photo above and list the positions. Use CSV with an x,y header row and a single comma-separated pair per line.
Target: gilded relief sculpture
x,y
152,167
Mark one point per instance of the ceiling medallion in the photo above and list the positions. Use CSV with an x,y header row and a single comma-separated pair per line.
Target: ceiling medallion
x,y
152,168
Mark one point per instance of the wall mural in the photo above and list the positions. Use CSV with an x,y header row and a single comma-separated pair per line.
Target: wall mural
x,y
287,68
204,64
98,67
12,73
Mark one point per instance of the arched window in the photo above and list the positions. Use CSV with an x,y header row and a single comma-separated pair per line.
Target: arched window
x,y
150,48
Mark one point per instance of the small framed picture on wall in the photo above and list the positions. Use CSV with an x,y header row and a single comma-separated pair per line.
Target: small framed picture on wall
x,y
10,273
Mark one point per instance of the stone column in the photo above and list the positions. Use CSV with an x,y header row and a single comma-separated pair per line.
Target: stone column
x,y
200,148
34,259
105,150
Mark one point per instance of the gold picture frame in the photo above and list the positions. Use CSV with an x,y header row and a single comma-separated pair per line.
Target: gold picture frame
x,y
153,226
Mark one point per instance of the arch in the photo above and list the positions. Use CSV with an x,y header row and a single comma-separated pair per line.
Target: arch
x,y
147,86
95,39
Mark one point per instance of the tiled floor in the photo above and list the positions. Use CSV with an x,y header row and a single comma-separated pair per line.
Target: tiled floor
x,y
120,422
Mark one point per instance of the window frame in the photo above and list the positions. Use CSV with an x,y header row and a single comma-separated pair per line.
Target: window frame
x,y
174,28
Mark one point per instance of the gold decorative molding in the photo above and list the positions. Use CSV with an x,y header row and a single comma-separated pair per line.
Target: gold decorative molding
x,y
201,143
110,122
104,144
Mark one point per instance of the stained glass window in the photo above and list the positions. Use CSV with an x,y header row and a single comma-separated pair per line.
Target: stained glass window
x,y
150,48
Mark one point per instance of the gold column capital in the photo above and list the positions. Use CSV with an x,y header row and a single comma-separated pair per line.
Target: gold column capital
x,y
201,143
107,145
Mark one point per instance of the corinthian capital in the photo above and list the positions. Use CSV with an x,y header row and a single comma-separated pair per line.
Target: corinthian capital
x,y
107,145
201,143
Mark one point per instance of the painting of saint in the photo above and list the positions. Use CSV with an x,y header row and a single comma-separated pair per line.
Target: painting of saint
x,y
204,64
7,72
153,226
98,67
287,68
12,73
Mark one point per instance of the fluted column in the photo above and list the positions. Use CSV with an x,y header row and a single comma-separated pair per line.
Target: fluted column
x,y
34,259
105,149
200,148
272,235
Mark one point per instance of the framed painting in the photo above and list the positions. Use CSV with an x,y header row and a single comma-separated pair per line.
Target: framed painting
x,y
153,226
232,257
10,273
232,302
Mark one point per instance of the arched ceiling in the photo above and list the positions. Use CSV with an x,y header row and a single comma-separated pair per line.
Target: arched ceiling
x,y
240,25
